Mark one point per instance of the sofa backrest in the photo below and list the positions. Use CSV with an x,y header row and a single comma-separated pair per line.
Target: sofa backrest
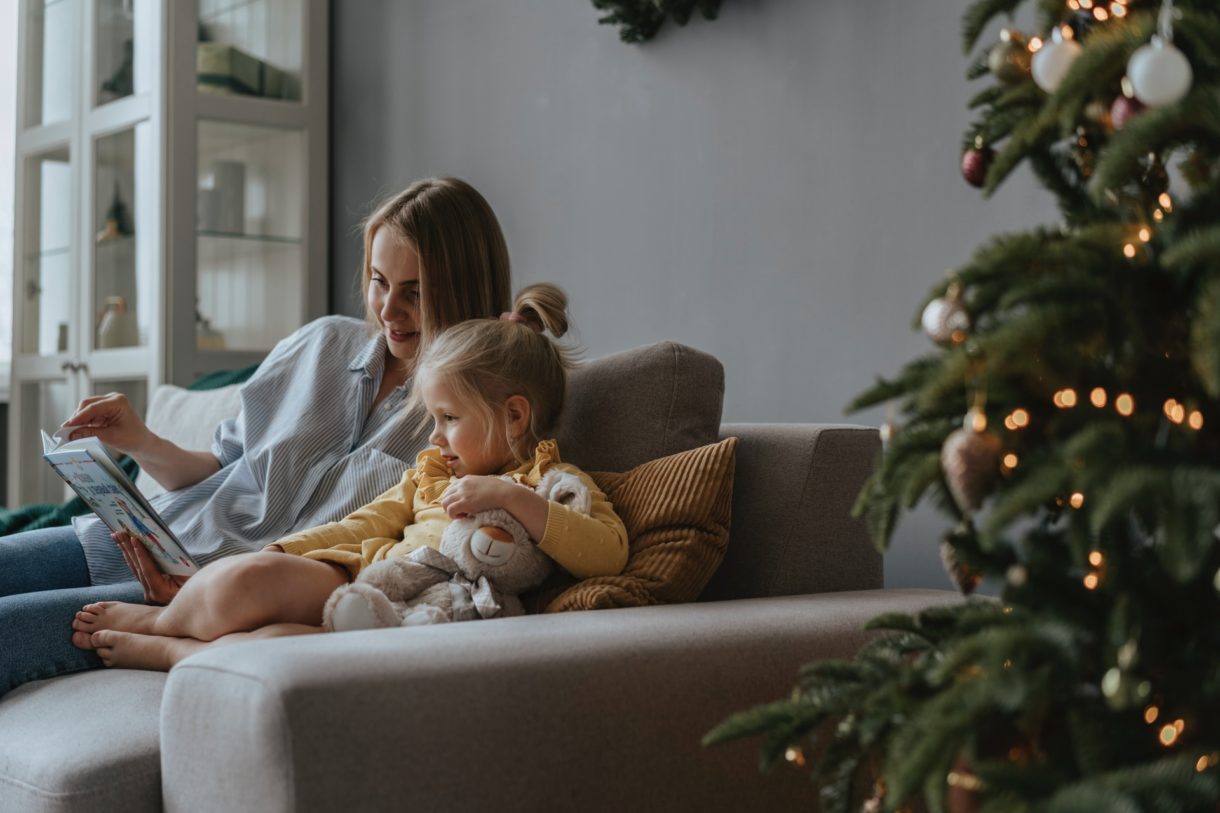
x,y
792,529
627,408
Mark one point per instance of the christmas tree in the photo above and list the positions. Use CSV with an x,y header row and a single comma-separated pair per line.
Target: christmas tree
x,y
1069,426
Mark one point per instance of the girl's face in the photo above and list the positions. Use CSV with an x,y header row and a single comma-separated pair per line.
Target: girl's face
x,y
468,444
394,293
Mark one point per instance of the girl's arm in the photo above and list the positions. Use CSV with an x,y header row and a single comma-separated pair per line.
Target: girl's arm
x,y
385,516
584,545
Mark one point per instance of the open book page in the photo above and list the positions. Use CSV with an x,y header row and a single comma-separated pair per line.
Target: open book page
x,y
89,470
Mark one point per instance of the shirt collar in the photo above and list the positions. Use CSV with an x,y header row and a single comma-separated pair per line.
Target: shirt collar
x,y
371,358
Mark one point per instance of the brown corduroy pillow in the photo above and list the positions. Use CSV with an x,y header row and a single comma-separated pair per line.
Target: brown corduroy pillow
x,y
677,512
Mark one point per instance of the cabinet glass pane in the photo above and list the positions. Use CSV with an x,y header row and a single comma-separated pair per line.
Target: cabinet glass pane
x,y
44,405
136,390
123,275
46,286
122,44
249,210
251,47
50,59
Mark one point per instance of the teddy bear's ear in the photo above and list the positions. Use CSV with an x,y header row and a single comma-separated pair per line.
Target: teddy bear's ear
x,y
565,489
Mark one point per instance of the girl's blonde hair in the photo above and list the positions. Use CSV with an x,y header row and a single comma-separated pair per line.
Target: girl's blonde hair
x,y
484,362
463,260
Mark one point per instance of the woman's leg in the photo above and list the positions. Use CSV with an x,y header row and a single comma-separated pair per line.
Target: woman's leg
x,y
129,650
35,630
237,594
46,559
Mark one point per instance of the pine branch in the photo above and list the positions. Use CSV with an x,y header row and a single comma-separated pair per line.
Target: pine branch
x,y
977,16
1205,337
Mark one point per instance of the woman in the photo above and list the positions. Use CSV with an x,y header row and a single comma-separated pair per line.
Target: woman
x,y
321,431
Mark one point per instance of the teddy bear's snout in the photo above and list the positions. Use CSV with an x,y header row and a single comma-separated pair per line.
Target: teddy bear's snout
x,y
492,545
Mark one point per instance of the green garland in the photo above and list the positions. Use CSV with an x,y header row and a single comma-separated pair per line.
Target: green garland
x,y
639,20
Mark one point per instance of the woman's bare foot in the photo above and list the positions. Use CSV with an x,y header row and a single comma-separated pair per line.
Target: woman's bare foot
x,y
112,615
128,650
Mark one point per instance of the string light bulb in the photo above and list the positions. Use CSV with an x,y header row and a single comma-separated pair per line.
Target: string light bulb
x,y
1165,201
1145,234
1097,397
1118,10
1095,558
1124,404
1129,251
1195,421
795,756
1077,501
1010,461
1091,581
1150,714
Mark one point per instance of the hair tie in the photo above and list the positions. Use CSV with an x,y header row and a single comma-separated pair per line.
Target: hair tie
x,y
513,316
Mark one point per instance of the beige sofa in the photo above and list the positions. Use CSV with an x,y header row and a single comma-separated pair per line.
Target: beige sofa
x,y
584,711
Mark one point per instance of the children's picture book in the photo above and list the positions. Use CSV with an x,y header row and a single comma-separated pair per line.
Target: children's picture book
x,y
91,472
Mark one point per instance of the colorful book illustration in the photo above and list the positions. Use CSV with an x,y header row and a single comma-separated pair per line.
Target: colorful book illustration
x,y
88,469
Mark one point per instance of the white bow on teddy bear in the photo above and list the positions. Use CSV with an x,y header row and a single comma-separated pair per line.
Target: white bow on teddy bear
x,y
483,563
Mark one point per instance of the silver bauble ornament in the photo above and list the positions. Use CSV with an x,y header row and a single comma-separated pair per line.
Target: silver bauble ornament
x,y
1160,74
1053,60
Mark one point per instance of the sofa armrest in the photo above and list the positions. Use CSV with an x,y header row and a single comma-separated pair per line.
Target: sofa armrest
x,y
792,532
577,711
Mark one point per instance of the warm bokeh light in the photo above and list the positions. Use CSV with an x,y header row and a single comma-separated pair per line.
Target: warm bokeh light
x,y
978,420
1065,399
1165,201
1118,10
1097,397
1150,714
1125,405
1095,558
1020,418
1145,234
1195,421
1011,461
1129,251
1035,45
1168,736
1076,500
1158,215
1091,581
1101,14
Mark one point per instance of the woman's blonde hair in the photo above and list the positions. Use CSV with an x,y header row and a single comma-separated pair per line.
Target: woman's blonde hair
x,y
484,362
463,260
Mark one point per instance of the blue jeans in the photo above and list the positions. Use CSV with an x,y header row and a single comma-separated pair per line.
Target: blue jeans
x,y
43,582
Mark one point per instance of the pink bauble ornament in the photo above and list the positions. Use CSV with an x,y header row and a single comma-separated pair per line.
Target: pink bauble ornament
x,y
1123,110
1053,60
975,163
1160,74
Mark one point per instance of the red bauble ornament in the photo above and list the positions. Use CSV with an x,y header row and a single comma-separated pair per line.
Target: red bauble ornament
x,y
975,163
1124,109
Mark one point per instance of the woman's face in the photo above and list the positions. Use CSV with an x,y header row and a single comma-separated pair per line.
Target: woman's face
x,y
393,294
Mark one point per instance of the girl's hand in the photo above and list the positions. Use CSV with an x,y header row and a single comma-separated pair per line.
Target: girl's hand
x,y
159,587
112,420
474,493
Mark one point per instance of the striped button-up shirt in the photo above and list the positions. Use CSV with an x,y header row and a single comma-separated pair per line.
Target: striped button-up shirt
x,y
307,448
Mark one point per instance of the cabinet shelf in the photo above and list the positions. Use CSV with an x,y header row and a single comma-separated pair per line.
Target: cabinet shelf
x,y
241,237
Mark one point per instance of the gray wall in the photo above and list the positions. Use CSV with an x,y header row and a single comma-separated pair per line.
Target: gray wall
x,y
779,187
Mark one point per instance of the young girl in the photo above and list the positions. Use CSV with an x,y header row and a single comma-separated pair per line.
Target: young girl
x,y
321,431
492,389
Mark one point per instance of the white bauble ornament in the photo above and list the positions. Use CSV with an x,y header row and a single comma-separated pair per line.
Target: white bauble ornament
x,y
1160,74
945,320
1052,61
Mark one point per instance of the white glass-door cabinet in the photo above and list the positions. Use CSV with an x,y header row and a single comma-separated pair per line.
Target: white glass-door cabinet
x,y
171,199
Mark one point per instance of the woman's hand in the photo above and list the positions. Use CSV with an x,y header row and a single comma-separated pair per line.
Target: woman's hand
x,y
159,586
112,420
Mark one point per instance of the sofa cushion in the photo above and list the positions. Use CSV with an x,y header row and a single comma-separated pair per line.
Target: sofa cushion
x,y
82,742
677,513
188,418
627,408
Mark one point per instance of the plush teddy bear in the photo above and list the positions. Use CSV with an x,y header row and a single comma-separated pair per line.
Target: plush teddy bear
x,y
483,563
